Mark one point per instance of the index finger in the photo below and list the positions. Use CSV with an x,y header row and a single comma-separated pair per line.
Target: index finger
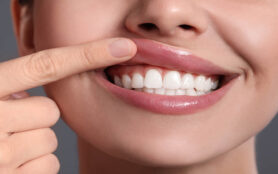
x,y
51,65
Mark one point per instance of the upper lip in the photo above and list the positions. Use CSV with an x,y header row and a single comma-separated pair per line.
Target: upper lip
x,y
155,53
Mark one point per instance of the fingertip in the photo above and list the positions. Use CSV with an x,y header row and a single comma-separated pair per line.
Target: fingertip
x,y
133,48
20,95
122,48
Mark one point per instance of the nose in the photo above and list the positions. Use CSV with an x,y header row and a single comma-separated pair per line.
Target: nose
x,y
167,18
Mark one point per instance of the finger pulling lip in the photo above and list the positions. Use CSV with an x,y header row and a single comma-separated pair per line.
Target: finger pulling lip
x,y
161,55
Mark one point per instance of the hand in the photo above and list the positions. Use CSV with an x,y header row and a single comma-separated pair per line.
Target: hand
x,y
26,140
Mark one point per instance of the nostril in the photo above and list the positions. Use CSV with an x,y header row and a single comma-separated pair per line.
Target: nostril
x,y
148,26
186,27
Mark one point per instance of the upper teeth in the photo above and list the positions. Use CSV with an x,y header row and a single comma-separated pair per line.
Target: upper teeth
x,y
172,83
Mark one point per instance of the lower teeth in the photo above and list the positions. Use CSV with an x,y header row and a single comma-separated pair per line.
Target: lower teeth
x,y
172,92
169,92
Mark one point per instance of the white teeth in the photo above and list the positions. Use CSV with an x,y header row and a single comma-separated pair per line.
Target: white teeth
x,y
200,92
191,92
172,83
170,92
137,81
214,84
187,81
200,83
172,80
126,81
160,91
153,79
148,90
208,84
180,92
118,81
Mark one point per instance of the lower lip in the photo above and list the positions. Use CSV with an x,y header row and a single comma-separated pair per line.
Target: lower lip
x,y
162,104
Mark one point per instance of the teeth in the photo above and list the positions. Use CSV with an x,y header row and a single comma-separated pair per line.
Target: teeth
x,y
118,81
214,85
200,83
191,92
209,84
187,81
180,92
148,90
170,92
172,80
153,79
160,91
137,81
171,84
200,92
126,81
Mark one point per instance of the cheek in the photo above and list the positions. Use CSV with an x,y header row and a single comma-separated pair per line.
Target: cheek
x,y
258,47
251,34
84,107
62,24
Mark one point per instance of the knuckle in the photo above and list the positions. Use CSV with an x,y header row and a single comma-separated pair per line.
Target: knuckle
x,y
5,154
51,138
41,65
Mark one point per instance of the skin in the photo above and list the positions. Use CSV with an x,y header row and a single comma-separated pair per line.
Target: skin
x,y
26,140
237,35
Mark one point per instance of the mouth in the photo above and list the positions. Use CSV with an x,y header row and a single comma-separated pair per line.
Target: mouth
x,y
161,81
166,80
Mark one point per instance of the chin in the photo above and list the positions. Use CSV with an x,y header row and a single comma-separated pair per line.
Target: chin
x,y
150,151
160,155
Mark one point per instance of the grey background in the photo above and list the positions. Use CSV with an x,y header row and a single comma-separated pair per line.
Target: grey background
x,y
67,149
267,141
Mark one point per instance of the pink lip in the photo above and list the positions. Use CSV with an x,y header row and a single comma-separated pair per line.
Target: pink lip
x,y
154,53
158,54
164,104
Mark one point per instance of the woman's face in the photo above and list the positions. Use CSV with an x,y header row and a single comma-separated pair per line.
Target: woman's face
x,y
239,36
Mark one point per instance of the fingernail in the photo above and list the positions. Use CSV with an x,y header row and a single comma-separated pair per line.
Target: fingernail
x,y
121,48
16,96
19,95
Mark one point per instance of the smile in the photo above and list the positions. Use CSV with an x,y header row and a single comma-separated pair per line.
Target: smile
x,y
156,80
166,80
